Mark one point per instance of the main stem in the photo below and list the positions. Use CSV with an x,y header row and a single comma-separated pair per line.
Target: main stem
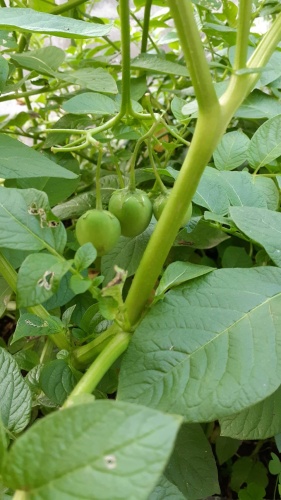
x,y
124,12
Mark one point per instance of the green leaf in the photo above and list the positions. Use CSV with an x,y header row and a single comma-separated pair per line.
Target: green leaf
x,y
57,381
274,465
192,467
260,225
158,64
258,105
126,254
252,492
265,145
119,448
165,490
231,151
26,221
210,348
15,402
78,284
3,448
31,21
5,295
85,256
30,325
4,72
218,190
45,60
236,257
261,421
202,237
179,272
96,79
268,191
39,277
91,102
226,447
19,161
247,470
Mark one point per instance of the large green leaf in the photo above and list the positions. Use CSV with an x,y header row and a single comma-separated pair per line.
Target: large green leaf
x,y
260,225
44,60
259,105
265,145
15,401
218,190
26,221
91,102
231,151
19,161
99,450
180,272
211,348
96,79
165,490
260,421
31,21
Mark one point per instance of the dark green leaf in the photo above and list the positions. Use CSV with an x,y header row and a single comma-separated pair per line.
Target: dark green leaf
x,y
57,381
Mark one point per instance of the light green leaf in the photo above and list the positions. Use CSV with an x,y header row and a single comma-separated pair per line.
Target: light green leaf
x,y
218,190
211,192
274,465
85,256
192,467
26,221
260,421
119,448
211,348
165,490
96,79
265,145
15,402
19,161
179,272
158,64
57,381
268,191
259,105
45,60
30,325
39,277
31,21
91,102
79,285
231,151
260,225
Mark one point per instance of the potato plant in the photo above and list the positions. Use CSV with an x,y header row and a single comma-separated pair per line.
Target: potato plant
x,y
140,354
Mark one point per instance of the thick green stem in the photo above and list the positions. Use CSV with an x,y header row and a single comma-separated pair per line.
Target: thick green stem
x,y
124,12
100,366
145,27
243,29
211,126
182,12
84,355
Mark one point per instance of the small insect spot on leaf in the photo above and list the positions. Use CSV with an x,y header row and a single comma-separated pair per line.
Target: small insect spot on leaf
x,y
110,461
171,348
47,280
